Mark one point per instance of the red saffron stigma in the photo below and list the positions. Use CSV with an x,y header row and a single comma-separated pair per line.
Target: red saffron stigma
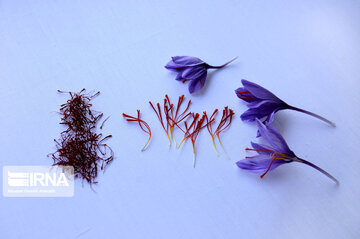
x,y
102,124
274,155
246,95
167,107
268,169
143,125
225,122
79,145
259,150
174,116
192,131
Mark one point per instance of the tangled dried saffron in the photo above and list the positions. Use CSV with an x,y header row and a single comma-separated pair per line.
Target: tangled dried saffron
x,y
79,145
143,125
224,123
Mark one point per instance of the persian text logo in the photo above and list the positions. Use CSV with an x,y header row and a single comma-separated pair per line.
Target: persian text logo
x,y
38,181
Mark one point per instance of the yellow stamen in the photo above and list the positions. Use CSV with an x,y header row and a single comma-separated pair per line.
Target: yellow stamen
x,y
147,143
213,141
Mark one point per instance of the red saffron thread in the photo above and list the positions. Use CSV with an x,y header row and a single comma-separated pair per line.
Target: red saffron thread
x,y
225,122
143,125
246,95
167,107
102,124
79,145
192,131
274,155
174,116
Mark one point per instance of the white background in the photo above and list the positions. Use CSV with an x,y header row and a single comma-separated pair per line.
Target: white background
x,y
306,52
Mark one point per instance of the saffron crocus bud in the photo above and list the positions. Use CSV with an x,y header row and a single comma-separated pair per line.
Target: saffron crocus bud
x,y
191,69
263,103
274,155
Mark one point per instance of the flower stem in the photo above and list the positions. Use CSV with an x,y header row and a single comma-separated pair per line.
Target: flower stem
x,y
223,65
318,168
312,114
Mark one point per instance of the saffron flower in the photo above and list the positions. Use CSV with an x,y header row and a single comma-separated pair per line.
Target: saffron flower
x,y
263,103
274,155
192,69
143,125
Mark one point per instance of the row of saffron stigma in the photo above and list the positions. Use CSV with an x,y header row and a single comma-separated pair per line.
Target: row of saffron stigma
x,y
189,123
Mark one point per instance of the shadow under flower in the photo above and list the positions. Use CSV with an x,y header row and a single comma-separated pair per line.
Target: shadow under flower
x,y
211,74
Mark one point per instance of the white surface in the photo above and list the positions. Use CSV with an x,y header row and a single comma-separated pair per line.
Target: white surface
x,y
305,52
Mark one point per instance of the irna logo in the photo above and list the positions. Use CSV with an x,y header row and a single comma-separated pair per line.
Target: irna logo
x,y
16,179
38,181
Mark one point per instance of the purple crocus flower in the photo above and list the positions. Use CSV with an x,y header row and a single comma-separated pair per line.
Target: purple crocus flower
x,y
263,103
274,155
191,69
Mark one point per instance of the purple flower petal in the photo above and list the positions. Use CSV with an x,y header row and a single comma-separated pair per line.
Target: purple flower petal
x,y
259,163
259,91
270,118
173,66
179,63
274,138
262,149
197,84
191,68
248,97
193,72
259,109
186,60
179,77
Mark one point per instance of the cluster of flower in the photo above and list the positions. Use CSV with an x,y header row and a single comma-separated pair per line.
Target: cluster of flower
x,y
262,103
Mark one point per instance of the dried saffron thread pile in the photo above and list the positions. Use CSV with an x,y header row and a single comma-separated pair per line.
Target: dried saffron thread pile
x,y
170,116
79,145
